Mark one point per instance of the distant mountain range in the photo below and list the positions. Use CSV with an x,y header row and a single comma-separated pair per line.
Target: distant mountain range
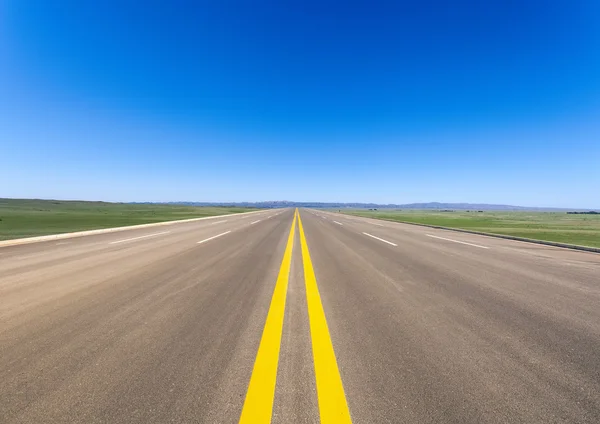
x,y
429,205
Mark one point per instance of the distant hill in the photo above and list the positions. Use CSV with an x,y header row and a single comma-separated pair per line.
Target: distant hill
x,y
429,205
321,205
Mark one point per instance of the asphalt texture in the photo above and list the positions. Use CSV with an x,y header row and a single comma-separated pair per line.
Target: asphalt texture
x,y
428,326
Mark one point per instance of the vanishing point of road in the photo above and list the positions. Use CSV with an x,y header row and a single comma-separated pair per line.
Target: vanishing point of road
x,y
306,316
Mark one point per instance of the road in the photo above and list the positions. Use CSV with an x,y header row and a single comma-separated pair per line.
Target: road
x,y
322,318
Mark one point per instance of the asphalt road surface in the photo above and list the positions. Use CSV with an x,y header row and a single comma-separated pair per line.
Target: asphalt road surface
x,y
268,317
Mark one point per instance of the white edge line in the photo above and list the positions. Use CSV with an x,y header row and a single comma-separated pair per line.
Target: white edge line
x,y
457,241
140,237
379,225
61,236
214,237
338,223
380,239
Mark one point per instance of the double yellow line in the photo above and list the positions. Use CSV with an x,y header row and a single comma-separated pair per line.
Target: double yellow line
x,y
258,406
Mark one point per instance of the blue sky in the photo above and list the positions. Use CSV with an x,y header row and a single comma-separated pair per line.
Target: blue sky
x,y
495,102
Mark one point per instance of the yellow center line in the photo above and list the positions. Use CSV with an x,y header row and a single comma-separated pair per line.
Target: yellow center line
x,y
258,406
333,407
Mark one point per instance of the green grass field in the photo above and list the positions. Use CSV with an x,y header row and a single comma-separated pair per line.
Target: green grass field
x,y
29,218
559,227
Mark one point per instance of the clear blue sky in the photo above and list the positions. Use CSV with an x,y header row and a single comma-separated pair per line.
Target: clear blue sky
x,y
462,101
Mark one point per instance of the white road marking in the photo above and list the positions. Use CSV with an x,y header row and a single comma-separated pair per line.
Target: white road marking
x,y
254,222
338,223
456,241
380,239
35,255
218,222
140,237
61,243
37,239
214,237
379,225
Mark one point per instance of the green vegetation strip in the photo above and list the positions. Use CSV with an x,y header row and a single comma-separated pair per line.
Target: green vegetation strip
x,y
557,227
30,218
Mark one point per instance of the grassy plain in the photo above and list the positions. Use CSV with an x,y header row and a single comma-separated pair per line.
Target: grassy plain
x,y
559,227
31,217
